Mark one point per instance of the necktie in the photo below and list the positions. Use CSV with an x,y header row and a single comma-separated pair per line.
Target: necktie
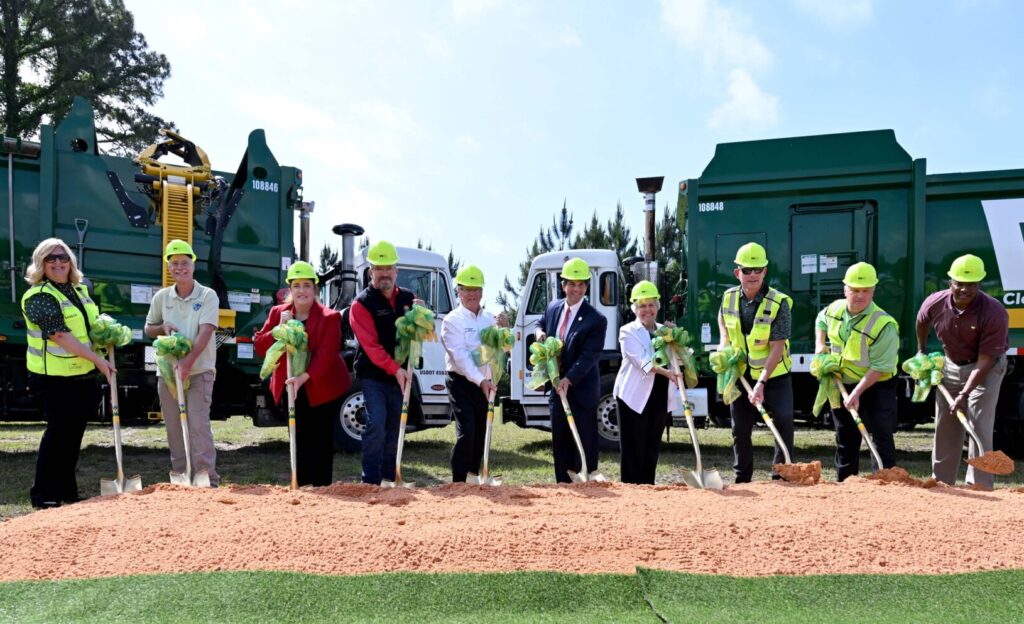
x,y
565,324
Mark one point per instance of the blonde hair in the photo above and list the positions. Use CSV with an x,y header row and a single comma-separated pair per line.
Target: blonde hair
x,y
35,272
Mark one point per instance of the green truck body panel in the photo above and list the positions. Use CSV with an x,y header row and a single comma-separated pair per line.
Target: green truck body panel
x,y
821,203
70,180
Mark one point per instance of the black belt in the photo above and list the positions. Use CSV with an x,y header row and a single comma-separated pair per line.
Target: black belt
x,y
963,362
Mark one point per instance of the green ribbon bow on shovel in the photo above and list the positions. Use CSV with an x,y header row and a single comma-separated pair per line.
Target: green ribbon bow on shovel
x,y
824,366
106,333
544,358
729,364
926,370
170,349
495,345
412,329
675,340
289,338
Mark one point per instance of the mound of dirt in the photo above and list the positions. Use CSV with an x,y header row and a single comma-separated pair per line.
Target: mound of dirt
x,y
900,476
754,529
995,462
804,474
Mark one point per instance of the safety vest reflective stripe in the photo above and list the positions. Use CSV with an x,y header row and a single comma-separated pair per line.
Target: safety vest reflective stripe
x,y
854,352
757,343
44,356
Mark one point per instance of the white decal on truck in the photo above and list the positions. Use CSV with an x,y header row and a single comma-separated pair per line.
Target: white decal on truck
x,y
1005,217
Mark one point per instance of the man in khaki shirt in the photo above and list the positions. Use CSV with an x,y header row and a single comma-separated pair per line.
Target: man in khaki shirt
x,y
188,308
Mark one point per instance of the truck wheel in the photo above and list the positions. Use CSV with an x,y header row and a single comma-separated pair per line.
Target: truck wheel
x,y
351,422
607,416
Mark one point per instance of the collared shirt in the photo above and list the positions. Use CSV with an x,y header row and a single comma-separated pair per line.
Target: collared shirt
x,y
572,311
982,329
781,324
883,354
460,334
188,314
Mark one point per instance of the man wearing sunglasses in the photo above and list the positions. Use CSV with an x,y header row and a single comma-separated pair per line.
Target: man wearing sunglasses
x,y
755,318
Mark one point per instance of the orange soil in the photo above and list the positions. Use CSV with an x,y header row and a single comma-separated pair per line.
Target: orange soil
x,y
995,462
804,474
747,530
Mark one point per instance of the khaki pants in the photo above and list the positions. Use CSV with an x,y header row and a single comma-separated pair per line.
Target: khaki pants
x,y
197,401
980,412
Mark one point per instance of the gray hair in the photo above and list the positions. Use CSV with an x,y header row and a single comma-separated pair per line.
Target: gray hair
x,y
36,272
657,304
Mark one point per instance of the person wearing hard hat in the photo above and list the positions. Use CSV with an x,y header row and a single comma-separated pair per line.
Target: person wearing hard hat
x,y
756,319
643,391
973,328
867,340
469,385
317,391
62,365
581,329
373,315
190,309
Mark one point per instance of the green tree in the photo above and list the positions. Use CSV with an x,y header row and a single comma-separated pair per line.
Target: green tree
x,y
593,236
53,50
620,239
555,238
669,243
328,258
453,263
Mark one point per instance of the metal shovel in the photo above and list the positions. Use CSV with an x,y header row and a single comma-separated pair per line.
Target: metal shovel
x,y
187,479
699,478
860,423
291,424
974,434
401,435
768,421
485,478
583,476
121,484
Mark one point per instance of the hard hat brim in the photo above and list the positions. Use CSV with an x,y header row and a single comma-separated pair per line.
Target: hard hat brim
x,y
964,280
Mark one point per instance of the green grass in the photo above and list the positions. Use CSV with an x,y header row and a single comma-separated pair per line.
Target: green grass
x,y
649,596
248,454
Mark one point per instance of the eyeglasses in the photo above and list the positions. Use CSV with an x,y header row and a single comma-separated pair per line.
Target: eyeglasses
x,y
750,271
50,259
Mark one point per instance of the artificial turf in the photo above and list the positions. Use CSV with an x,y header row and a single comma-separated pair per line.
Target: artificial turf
x,y
648,596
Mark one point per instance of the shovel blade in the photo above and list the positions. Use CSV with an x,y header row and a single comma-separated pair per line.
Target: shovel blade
x,y
180,478
691,479
578,477
201,479
109,487
132,484
474,479
397,484
712,480
597,476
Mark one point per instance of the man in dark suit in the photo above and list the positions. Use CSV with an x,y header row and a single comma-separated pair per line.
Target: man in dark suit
x,y
581,329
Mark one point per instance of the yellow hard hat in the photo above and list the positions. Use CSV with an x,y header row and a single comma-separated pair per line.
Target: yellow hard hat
x,y
301,270
751,256
382,253
861,275
470,276
178,247
644,290
967,268
576,270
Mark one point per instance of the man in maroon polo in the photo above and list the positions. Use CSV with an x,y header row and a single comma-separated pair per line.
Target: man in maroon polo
x,y
974,330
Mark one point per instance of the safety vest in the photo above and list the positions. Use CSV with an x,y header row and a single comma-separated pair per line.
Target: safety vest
x,y
46,357
756,344
854,351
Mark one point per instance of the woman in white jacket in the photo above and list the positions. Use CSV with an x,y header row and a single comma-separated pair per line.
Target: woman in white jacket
x,y
643,391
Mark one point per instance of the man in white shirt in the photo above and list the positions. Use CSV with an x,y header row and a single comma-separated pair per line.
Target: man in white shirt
x,y
469,385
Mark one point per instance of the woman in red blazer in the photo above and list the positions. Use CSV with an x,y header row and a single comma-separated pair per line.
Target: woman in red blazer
x,y
320,388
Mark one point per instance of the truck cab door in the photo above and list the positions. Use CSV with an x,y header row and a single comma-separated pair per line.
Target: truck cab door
x,y
539,289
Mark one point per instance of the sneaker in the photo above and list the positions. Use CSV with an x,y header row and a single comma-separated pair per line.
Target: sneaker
x,y
47,504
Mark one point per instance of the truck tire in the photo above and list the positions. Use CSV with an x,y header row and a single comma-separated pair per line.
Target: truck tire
x,y
608,416
351,421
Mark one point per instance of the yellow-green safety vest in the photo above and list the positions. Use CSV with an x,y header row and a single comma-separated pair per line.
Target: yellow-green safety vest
x,y
854,352
46,357
756,345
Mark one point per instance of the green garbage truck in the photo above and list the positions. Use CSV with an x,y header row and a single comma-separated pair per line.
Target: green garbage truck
x,y
821,203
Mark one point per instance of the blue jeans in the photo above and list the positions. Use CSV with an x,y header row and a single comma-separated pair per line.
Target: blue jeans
x,y
383,402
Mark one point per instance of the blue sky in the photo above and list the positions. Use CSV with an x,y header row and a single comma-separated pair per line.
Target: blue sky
x,y
466,123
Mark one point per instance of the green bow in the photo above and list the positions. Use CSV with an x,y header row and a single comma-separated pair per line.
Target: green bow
x,y
544,358
729,364
926,370
170,349
289,338
495,344
824,366
669,340
106,333
411,330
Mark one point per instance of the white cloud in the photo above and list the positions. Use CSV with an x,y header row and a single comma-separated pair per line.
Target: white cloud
x,y
468,9
747,105
467,143
837,13
717,34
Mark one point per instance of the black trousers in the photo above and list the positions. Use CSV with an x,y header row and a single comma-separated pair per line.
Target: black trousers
x,y
67,403
640,434
778,402
563,447
314,439
470,406
878,411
